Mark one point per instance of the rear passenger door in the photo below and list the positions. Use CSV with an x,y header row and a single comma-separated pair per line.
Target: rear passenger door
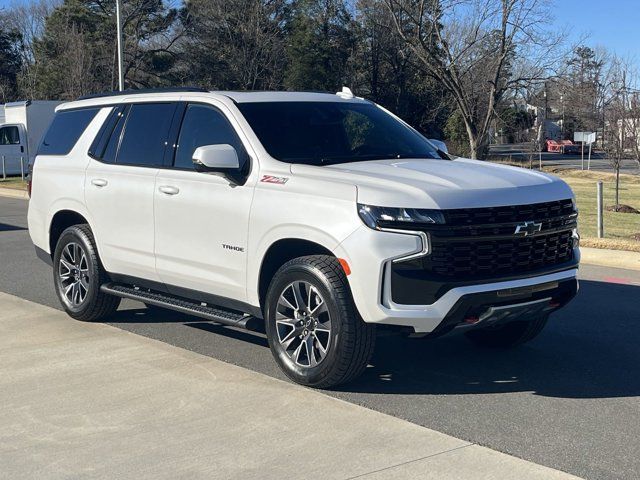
x,y
119,186
202,218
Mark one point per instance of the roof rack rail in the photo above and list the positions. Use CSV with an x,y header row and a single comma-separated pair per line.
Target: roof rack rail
x,y
144,90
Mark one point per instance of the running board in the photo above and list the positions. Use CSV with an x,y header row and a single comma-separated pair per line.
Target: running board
x,y
190,307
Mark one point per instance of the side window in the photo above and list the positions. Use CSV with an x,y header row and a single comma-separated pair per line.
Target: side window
x,y
111,149
145,134
9,136
65,130
204,125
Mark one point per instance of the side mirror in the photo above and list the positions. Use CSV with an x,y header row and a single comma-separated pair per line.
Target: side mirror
x,y
216,158
221,158
440,145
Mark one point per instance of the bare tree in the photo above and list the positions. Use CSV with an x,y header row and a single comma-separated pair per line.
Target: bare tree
x,y
238,43
621,114
28,18
479,50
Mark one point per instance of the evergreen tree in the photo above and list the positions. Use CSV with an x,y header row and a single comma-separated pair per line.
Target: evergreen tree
x,y
77,52
10,64
321,41
233,44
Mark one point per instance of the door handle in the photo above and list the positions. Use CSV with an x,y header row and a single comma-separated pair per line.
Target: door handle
x,y
169,190
99,182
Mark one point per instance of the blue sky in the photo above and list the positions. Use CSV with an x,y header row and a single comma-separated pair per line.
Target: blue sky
x,y
614,24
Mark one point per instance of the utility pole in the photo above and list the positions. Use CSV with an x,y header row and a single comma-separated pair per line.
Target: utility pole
x,y
562,101
546,108
120,53
604,119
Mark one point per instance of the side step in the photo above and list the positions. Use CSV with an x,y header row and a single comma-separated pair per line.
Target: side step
x,y
190,307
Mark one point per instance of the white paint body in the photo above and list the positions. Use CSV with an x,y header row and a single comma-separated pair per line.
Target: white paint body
x,y
176,238
32,120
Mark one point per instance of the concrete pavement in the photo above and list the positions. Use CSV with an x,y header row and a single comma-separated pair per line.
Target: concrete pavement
x,y
91,401
13,193
610,258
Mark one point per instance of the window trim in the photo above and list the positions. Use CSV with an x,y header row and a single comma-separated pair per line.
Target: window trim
x,y
101,140
125,110
171,139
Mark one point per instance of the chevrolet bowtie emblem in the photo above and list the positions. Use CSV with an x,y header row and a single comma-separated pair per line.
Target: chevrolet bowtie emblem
x,y
528,228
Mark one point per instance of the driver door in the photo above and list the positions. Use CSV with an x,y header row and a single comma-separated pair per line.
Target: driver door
x,y
201,219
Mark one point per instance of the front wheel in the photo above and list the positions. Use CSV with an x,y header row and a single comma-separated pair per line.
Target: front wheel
x,y
315,333
78,275
508,335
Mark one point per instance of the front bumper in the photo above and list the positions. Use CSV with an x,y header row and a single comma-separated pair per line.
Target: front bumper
x,y
370,253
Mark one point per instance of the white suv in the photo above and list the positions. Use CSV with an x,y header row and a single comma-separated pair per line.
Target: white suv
x,y
315,216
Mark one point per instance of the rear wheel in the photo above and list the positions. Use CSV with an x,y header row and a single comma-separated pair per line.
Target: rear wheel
x,y
78,275
508,335
314,331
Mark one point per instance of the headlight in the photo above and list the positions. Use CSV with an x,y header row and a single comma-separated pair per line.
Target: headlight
x,y
575,236
398,218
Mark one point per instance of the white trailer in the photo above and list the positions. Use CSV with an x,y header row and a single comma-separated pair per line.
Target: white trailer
x,y
21,131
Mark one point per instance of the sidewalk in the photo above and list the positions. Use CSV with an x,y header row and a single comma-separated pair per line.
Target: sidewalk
x,y
91,401
610,258
13,193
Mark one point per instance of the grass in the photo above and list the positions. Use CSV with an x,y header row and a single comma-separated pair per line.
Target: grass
x,y
15,183
618,227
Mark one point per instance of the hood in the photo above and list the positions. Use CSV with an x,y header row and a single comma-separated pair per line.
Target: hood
x,y
443,184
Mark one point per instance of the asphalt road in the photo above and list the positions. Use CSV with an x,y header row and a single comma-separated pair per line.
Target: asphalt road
x,y
569,400
599,162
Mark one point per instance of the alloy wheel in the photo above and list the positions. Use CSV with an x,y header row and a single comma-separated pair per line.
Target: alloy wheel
x,y
303,324
73,273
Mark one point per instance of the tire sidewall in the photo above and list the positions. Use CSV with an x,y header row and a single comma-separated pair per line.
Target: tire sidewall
x,y
308,273
76,235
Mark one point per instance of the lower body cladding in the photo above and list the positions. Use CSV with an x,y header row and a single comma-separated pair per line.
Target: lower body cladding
x,y
477,304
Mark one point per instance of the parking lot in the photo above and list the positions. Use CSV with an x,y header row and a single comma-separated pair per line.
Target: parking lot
x,y
568,400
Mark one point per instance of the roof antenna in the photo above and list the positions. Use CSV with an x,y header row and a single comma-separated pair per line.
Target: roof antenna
x,y
345,93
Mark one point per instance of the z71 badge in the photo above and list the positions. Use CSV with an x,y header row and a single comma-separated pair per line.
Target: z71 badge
x,y
272,179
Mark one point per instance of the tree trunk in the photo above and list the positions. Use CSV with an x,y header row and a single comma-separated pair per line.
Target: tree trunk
x,y
617,184
472,135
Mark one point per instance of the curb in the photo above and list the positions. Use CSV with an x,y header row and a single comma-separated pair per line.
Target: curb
x,y
610,258
13,193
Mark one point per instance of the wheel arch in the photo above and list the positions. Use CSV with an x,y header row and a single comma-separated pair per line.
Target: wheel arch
x,y
279,253
60,221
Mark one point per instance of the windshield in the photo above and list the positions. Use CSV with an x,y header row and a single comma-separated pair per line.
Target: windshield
x,y
322,133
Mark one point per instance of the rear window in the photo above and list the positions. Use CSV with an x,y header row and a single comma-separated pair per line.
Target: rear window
x,y
65,130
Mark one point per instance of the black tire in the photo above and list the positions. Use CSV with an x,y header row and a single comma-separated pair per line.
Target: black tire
x,y
350,342
508,335
95,305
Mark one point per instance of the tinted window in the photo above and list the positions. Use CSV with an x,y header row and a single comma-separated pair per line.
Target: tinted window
x,y
65,130
9,136
110,151
333,132
145,134
203,125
